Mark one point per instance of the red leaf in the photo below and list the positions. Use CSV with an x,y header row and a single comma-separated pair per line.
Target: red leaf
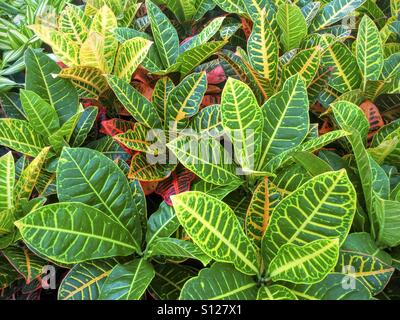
x,y
247,26
179,181
216,76
374,117
115,126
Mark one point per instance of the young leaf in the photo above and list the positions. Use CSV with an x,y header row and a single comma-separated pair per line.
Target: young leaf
x,y
243,120
211,223
7,182
263,48
165,35
293,25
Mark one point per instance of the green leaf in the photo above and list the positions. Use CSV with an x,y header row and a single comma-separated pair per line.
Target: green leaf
x,y
305,264
293,25
160,95
130,55
176,248
169,280
184,100
7,182
161,223
333,12
40,114
128,281
58,92
334,287
137,105
183,9
321,208
83,127
345,74
74,232
369,50
20,136
263,48
220,282
25,262
84,280
286,119
372,272
87,176
164,33
150,169
206,158
275,292
243,120
211,224
388,222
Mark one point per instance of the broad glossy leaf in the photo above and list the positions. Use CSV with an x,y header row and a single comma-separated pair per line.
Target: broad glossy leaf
x,y
59,92
305,63
7,182
74,232
110,148
391,66
286,119
138,139
87,176
321,208
164,33
160,95
103,23
92,53
62,136
25,262
388,222
220,282
7,273
371,271
84,280
136,104
275,292
130,55
242,118
333,12
334,287
264,200
309,263
206,158
40,114
214,190
345,74
184,100
369,50
208,120
11,105
293,25
211,224
127,281
20,136
88,81
263,48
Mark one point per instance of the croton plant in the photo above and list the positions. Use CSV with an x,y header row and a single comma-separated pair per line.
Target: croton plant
x,y
200,149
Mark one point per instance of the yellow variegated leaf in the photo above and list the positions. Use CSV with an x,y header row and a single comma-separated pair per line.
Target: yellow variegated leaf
x,y
65,49
74,24
7,181
103,24
89,81
213,226
130,54
92,53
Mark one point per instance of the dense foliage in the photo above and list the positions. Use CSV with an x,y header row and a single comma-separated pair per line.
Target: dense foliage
x,y
200,149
